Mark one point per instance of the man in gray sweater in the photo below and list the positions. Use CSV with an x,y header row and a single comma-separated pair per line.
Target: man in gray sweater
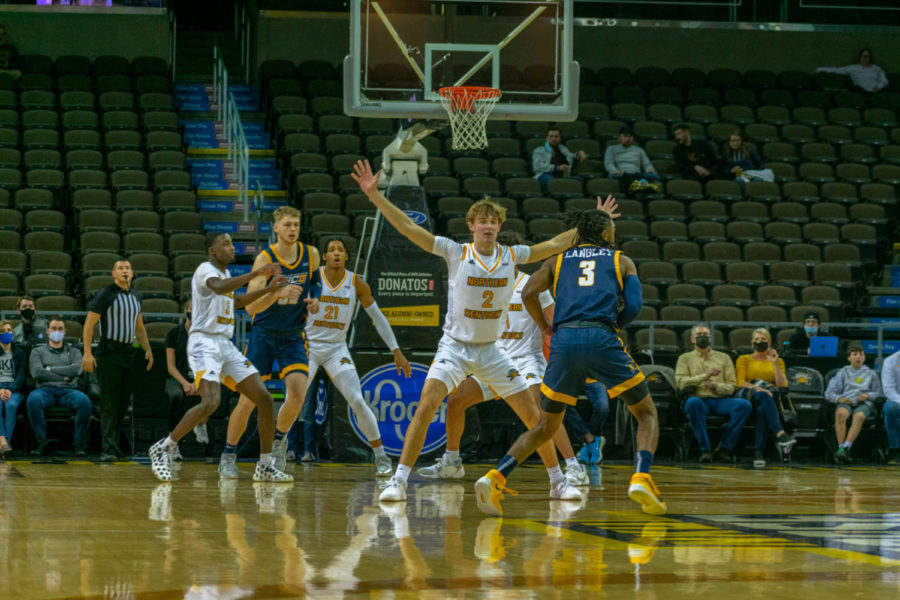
x,y
55,367
853,390
630,164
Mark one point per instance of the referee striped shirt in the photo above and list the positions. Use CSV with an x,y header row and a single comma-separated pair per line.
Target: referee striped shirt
x,y
118,310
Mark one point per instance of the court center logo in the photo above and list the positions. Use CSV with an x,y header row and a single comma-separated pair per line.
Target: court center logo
x,y
394,400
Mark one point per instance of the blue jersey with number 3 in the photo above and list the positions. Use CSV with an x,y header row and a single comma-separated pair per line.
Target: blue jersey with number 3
x,y
285,315
587,285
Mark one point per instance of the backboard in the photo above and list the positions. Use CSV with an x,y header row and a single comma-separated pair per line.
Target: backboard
x,y
403,51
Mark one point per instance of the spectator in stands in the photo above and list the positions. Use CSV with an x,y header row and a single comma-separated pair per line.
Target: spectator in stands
x,y
890,384
55,367
760,375
9,56
853,390
31,329
865,75
742,163
695,159
12,379
180,382
707,375
630,164
798,344
553,159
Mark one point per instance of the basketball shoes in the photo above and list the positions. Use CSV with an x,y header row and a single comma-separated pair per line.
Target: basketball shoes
x,y
268,472
393,491
643,491
489,492
161,461
443,468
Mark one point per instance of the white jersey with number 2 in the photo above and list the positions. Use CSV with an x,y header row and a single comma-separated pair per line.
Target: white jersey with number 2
x,y
479,288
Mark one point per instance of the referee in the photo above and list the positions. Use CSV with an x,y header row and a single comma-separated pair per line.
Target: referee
x,y
118,309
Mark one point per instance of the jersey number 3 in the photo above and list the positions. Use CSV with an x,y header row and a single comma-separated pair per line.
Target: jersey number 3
x,y
587,273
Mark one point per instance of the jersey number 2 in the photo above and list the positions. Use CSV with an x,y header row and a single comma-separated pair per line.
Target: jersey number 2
x,y
587,273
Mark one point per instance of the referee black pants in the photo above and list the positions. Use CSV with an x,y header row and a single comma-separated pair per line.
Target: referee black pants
x,y
115,365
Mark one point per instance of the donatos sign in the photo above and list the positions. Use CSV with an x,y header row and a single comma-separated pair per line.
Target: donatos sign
x,y
395,399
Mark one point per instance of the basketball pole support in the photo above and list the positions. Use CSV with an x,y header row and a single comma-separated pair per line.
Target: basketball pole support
x,y
399,42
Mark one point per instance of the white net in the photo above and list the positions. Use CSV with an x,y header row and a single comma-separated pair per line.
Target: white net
x,y
468,108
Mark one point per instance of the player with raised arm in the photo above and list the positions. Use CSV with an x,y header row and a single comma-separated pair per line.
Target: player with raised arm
x,y
276,334
521,339
214,360
327,335
590,281
482,276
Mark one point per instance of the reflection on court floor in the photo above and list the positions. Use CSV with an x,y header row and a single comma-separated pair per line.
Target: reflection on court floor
x,y
83,530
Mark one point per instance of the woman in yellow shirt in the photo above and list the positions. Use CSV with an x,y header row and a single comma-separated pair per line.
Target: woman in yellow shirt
x,y
763,365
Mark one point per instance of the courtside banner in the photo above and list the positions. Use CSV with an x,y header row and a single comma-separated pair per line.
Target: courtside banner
x,y
409,284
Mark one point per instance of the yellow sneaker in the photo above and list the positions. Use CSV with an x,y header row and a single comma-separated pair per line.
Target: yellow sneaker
x,y
489,492
643,491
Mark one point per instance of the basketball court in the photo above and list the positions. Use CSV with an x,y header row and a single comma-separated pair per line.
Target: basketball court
x,y
83,530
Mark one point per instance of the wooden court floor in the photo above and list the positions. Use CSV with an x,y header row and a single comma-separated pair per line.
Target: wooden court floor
x,y
84,530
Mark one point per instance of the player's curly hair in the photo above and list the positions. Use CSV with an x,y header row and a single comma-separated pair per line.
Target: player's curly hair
x,y
589,226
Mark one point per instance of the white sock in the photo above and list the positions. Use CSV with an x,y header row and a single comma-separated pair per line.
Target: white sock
x,y
169,442
556,475
266,458
572,463
452,456
402,472
379,451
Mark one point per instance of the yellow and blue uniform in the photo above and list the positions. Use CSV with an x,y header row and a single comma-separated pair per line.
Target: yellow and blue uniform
x,y
588,287
277,333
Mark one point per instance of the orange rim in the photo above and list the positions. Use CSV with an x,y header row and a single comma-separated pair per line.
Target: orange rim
x,y
463,97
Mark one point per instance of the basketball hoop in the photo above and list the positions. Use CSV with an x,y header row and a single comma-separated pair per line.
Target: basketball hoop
x,y
468,108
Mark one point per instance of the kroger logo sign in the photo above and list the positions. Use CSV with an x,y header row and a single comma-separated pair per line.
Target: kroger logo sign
x,y
394,399
417,217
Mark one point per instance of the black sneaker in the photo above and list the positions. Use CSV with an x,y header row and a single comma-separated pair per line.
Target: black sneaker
x,y
785,440
722,455
40,449
80,450
759,460
706,456
893,457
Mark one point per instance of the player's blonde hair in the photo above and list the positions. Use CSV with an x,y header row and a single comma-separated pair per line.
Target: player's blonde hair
x,y
284,211
486,208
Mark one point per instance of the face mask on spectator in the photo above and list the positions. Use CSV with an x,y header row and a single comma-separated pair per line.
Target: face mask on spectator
x,y
811,330
702,341
27,313
6,337
760,346
57,336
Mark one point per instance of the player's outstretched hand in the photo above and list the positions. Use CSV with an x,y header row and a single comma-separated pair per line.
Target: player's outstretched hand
x,y
362,174
277,282
402,364
312,305
609,206
269,269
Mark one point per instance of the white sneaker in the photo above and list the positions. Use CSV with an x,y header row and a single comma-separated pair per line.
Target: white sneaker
x,y
279,454
201,433
383,466
394,491
577,476
228,468
563,490
265,472
160,462
443,469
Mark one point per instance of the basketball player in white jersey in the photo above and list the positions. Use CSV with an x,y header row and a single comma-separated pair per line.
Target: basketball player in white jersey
x,y
522,341
482,275
326,332
214,359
